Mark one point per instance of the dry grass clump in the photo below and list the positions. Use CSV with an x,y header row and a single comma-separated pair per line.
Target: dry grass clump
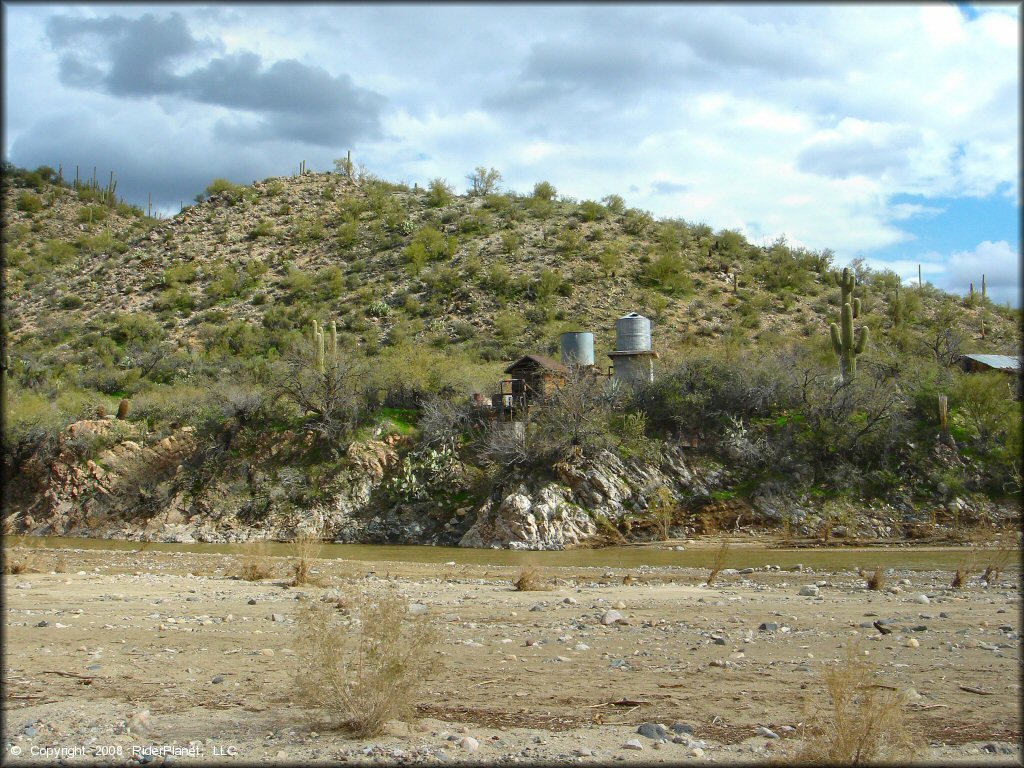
x,y
959,578
365,674
306,548
717,563
256,564
865,724
997,564
19,558
874,581
530,580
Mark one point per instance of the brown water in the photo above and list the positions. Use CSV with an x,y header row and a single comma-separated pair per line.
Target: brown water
x,y
741,555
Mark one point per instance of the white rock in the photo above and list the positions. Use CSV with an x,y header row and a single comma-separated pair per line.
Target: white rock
x,y
612,616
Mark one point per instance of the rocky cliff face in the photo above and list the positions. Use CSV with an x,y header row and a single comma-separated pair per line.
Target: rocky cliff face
x,y
101,478
570,511
104,480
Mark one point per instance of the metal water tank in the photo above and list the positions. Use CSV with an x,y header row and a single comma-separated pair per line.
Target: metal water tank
x,y
577,348
633,333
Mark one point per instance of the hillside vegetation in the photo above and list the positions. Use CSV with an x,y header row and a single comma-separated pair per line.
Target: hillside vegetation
x,y
204,320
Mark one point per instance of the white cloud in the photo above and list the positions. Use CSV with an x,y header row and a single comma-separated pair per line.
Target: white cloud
x,y
804,120
998,262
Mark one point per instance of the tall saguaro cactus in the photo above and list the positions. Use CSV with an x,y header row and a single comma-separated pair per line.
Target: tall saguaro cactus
x,y
846,345
318,346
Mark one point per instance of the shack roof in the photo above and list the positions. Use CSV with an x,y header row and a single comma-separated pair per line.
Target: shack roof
x,y
537,361
999,362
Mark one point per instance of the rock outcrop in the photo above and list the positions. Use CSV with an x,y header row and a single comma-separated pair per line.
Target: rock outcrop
x,y
569,511
100,471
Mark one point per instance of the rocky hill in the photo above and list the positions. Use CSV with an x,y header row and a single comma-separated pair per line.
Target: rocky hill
x,y
191,318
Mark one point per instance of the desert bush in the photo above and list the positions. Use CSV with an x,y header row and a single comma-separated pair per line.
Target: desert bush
x,y
429,245
362,684
18,558
959,577
865,723
637,222
874,581
305,548
255,562
331,397
231,192
669,273
663,510
614,203
172,404
530,580
483,181
717,562
997,564
983,403
544,190
590,210
29,203
439,193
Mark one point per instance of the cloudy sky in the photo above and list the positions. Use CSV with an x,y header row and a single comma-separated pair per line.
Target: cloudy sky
x,y
888,133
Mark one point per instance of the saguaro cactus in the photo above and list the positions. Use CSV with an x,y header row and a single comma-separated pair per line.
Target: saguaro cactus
x,y
843,341
847,281
318,346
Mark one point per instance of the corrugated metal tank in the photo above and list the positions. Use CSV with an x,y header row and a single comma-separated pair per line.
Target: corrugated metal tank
x,y
577,348
633,333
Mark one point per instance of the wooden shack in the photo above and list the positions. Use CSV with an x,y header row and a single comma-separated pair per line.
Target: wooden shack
x,y
975,363
533,377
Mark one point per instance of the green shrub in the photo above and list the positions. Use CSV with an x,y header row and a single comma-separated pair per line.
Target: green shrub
x,y
233,193
439,193
348,234
614,203
92,213
185,272
429,244
264,228
29,203
983,403
637,222
544,190
669,273
590,210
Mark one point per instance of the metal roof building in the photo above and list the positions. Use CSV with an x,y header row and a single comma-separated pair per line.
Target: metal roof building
x,y
975,363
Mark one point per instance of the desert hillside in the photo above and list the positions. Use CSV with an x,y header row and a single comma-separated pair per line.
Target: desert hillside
x,y
203,321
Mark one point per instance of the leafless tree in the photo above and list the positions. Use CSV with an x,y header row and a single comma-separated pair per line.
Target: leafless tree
x,y
444,419
331,397
945,343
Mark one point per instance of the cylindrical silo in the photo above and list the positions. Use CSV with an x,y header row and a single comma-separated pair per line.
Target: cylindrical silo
x,y
633,333
577,348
